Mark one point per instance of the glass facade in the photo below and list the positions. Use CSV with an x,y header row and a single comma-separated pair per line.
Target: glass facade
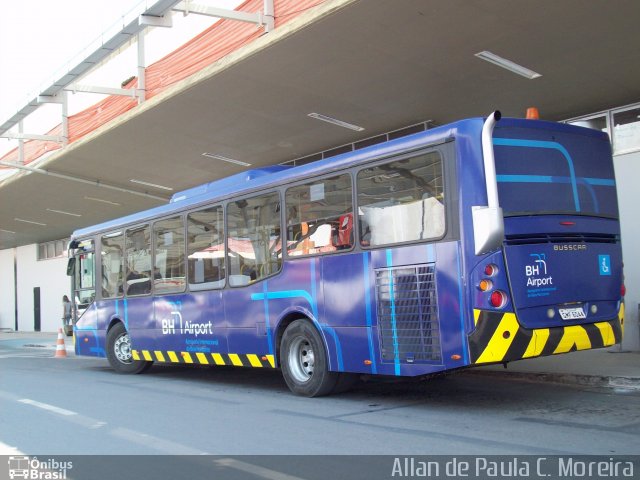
x,y
621,124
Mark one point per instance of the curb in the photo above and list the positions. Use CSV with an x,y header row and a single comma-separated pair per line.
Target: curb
x,y
581,380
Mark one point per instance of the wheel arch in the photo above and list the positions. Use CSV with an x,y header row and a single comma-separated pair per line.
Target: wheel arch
x,y
289,317
112,323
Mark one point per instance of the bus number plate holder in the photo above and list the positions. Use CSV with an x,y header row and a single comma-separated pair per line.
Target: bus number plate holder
x,y
572,313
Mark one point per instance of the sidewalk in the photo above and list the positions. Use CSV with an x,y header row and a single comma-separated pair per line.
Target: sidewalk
x,y
34,340
604,367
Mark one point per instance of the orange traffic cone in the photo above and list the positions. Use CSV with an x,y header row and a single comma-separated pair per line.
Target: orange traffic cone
x,y
61,350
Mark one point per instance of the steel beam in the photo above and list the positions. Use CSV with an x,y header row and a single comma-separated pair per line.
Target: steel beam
x,y
32,136
95,183
155,21
125,92
142,83
200,9
82,65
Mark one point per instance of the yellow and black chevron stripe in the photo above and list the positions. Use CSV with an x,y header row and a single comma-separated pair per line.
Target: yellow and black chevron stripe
x,y
498,337
199,358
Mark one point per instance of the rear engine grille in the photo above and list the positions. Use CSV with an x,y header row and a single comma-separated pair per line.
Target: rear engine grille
x,y
578,238
408,324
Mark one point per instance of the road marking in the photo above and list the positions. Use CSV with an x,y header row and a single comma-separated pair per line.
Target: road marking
x,y
46,406
254,469
156,443
72,417
134,436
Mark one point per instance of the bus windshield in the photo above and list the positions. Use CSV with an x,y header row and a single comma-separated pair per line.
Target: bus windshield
x,y
564,173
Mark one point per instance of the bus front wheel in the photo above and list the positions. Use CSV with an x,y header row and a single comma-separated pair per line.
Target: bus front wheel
x,y
119,352
304,361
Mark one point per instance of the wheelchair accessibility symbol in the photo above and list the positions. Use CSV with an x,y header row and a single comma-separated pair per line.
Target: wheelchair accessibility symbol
x,y
605,264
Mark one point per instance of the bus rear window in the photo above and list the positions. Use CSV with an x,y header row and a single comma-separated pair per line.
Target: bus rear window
x,y
562,174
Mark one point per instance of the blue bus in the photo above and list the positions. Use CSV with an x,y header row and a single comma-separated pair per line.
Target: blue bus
x,y
482,241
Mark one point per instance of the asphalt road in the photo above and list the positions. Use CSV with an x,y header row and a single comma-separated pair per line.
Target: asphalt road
x,y
78,406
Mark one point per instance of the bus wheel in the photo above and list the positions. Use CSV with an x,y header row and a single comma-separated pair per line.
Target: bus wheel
x,y
119,352
304,361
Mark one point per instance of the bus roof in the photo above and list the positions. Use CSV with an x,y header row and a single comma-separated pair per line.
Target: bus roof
x,y
257,179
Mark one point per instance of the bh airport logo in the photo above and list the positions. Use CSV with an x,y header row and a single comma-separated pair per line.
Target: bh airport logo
x,y
537,275
32,468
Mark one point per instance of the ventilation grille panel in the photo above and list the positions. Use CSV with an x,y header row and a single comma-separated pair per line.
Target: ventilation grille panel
x,y
407,304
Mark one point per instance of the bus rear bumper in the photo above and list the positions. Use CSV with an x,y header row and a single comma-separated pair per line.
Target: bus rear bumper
x,y
500,338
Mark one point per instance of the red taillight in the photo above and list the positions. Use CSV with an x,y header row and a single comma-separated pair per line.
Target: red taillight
x,y
567,224
623,290
490,270
498,299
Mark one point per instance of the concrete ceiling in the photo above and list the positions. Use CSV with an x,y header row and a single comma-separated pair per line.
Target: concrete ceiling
x,y
379,64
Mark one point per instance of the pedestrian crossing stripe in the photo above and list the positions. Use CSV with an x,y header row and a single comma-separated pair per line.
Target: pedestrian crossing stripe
x,y
499,337
200,358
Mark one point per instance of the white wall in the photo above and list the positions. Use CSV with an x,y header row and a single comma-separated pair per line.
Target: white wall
x,y
628,182
7,290
50,276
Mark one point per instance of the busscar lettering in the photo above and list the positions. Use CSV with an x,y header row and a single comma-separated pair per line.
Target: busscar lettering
x,y
570,248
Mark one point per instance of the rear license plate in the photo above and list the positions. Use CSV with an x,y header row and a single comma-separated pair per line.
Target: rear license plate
x,y
572,313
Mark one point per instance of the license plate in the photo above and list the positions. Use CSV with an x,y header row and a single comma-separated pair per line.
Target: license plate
x,y
572,313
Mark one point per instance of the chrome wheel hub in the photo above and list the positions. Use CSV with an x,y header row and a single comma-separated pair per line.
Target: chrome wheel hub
x,y
122,348
301,359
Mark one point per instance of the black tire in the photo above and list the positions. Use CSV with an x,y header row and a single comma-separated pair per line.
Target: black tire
x,y
304,361
119,352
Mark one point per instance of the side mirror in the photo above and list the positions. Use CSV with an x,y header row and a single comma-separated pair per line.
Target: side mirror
x,y
71,266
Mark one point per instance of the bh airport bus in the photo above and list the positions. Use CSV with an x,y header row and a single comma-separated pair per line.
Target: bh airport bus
x,y
482,241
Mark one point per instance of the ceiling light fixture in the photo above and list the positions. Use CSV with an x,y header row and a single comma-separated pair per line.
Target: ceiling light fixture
x,y
94,199
226,159
7,231
148,184
63,212
335,121
507,64
30,221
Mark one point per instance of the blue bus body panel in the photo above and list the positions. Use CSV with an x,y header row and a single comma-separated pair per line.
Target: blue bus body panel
x,y
561,259
363,303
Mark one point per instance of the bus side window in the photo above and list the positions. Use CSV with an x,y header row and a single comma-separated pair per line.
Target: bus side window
x,y
205,249
168,271
112,248
255,245
320,216
402,201
138,260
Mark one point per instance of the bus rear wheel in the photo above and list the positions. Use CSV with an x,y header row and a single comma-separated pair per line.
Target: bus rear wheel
x,y
304,361
119,352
